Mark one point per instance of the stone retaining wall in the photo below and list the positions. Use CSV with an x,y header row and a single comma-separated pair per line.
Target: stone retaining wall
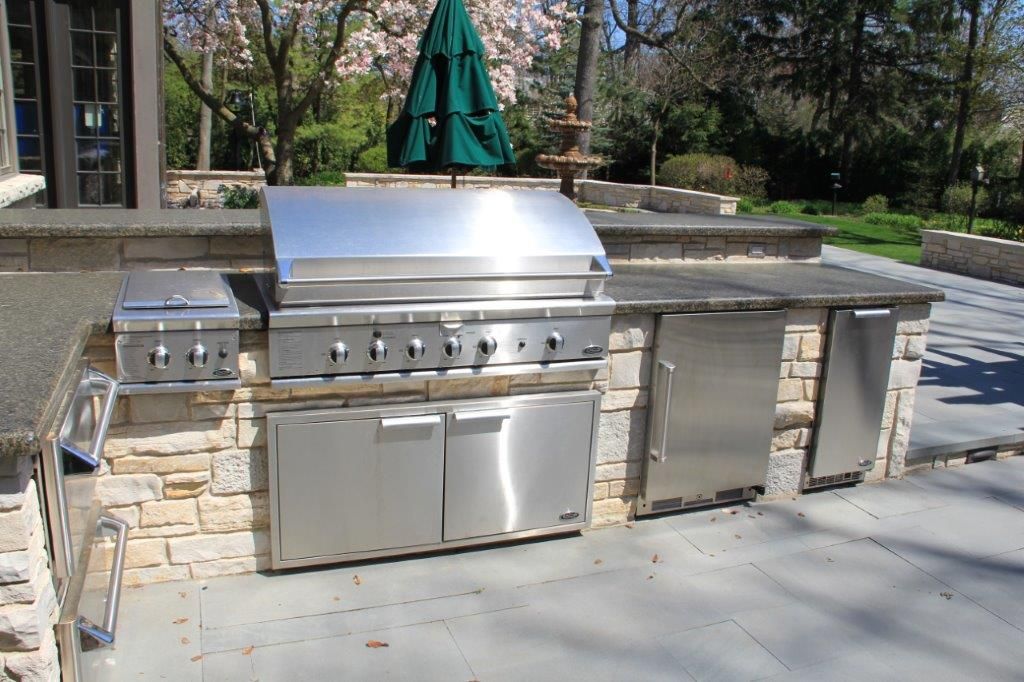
x,y
1001,260
207,184
188,472
661,199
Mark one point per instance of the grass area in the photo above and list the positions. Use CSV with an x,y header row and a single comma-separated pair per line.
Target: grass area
x,y
878,240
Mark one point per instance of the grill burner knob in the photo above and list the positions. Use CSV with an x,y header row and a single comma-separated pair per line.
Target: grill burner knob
x,y
160,357
555,342
415,349
452,347
197,355
378,351
338,353
488,345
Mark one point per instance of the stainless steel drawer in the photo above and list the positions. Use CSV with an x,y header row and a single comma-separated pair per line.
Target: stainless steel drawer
x,y
516,468
357,485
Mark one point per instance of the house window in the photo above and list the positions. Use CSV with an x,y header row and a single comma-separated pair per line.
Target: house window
x,y
96,94
6,158
28,112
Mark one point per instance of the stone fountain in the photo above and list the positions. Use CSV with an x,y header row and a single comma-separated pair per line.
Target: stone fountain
x,y
569,163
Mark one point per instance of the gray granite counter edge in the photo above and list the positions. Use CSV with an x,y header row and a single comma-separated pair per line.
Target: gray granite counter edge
x,y
117,223
770,302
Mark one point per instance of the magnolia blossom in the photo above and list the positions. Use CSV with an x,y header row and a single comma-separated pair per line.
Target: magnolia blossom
x,y
381,35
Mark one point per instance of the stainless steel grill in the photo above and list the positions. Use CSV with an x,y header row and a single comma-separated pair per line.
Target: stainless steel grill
x,y
375,285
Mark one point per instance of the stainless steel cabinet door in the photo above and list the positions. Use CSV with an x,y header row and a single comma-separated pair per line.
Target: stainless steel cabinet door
x,y
359,485
857,364
716,378
518,468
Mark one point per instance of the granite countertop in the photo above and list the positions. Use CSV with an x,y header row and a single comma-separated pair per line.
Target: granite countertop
x,y
169,222
710,287
46,318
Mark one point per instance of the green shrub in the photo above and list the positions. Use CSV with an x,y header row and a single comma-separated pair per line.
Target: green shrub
x,y
957,199
1002,229
372,160
745,205
239,196
810,209
328,178
713,173
876,203
783,207
898,221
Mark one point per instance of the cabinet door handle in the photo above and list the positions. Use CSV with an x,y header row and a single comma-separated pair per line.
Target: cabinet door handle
x,y
480,416
659,454
410,422
877,312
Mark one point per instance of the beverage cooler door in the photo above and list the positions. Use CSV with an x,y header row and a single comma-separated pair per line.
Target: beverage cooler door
x,y
515,469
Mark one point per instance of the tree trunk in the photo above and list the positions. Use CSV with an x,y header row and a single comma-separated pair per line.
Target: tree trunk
x,y
853,95
632,47
963,112
586,65
205,115
1020,171
654,152
284,153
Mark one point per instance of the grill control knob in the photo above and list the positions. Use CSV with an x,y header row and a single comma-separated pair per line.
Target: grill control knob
x,y
197,355
160,357
452,347
488,345
555,342
415,349
378,351
338,353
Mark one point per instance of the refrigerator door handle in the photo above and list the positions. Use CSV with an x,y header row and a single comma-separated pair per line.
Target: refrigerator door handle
x,y
105,633
659,454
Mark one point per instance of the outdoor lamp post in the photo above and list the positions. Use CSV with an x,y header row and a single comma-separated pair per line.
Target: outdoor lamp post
x,y
835,190
977,178
237,101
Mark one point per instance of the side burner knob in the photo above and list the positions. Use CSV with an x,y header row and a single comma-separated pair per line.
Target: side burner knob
x,y
415,349
378,351
488,345
555,342
197,355
338,353
452,347
160,357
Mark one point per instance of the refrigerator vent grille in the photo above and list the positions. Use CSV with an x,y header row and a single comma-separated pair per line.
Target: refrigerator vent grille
x,y
665,505
835,479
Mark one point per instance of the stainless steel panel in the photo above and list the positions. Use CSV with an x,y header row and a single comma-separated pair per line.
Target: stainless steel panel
x,y
132,349
512,469
858,359
369,244
304,351
713,395
356,485
175,289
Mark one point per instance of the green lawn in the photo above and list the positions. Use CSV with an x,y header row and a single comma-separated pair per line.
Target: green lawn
x,y
877,240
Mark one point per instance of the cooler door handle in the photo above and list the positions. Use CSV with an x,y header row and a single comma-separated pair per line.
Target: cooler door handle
x,y
105,633
658,454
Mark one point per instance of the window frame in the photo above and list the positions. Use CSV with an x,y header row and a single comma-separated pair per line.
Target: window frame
x,y
8,135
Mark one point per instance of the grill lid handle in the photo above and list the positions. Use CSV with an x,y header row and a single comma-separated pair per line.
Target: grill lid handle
x,y
176,301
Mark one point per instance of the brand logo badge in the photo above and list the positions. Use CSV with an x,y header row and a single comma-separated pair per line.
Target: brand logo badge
x,y
222,372
569,515
593,350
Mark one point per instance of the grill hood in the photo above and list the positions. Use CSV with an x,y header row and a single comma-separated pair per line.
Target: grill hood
x,y
369,245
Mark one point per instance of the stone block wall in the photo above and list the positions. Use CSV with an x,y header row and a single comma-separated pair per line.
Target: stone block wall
x,y
188,471
1000,260
28,604
77,254
698,249
181,184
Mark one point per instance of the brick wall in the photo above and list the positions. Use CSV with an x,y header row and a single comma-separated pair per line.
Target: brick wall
x,y
188,472
970,254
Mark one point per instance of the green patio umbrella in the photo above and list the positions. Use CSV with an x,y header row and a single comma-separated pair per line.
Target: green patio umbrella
x,y
450,120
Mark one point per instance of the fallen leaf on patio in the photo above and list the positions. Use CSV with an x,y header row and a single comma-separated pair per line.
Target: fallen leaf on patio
x,y
655,559
711,555
829,559
478,590
336,598
183,595
185,640
248,650
197,657
650,577
947,595
712,519
800,514
731,511
630,525
737,536
760,513
751,516
375,644
356,580
179,621
598,562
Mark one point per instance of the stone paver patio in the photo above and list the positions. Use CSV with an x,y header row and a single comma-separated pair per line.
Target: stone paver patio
x,y
909,579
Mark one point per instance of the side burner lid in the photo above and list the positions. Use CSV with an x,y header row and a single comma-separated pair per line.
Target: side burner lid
x,y
175,289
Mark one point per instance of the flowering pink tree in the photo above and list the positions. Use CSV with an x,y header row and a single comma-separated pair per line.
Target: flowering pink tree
x,y
340,38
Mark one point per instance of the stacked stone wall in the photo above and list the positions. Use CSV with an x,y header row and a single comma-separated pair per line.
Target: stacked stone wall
x,y
698,249
206,186
1000,260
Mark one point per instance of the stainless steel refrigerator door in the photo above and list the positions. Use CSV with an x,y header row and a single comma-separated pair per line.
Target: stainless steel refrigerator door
x,y
857,364
359,485
713,395
518,468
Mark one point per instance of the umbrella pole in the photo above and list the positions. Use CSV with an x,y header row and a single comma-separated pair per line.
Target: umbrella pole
x,y
453,178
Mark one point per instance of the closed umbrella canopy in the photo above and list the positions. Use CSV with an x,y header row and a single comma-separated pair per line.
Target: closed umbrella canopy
x,y
450,118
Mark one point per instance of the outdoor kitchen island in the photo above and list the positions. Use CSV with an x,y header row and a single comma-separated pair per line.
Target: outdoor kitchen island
x,y
188,471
